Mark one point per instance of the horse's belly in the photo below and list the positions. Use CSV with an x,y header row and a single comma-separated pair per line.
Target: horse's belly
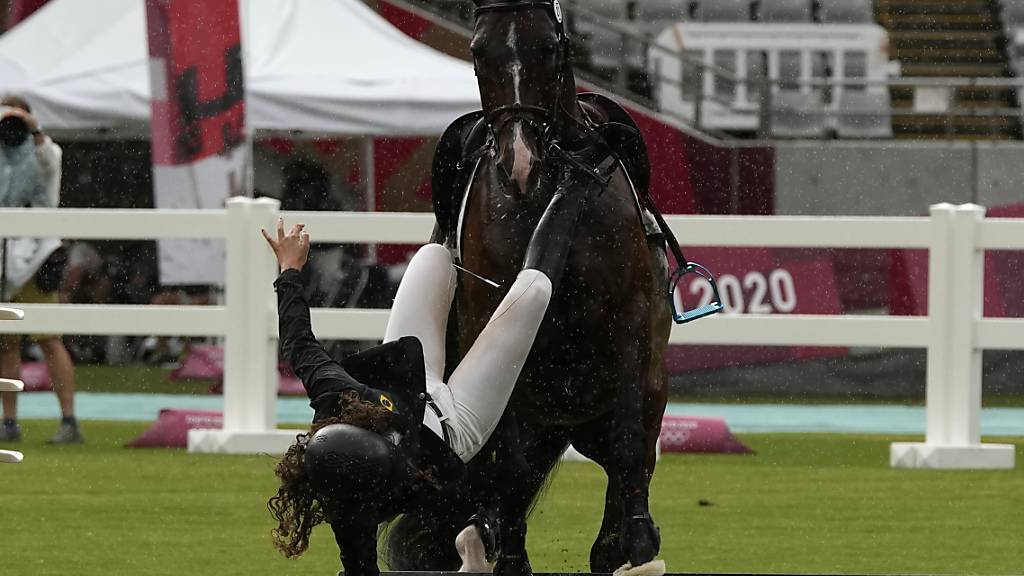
x,y
566,386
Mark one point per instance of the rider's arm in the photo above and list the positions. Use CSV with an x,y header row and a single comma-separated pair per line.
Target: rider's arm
x,y
320,374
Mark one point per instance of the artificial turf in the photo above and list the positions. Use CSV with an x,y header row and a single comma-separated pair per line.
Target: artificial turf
x,y
803,503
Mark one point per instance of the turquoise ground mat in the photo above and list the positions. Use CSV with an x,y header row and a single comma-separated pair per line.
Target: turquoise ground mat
x,y
848,419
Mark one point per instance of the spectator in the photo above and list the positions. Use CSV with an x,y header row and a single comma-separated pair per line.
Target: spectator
x,y
86,280
336,275
32,163
169,351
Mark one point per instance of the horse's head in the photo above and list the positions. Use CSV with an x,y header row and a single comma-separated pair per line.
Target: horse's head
x,y
520,53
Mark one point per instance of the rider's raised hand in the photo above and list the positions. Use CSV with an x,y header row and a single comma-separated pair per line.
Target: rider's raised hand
x,y
291,249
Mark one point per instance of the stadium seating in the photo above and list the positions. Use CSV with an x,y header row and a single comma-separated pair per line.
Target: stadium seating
x,y
784,11
723,11
864,115
653,15
607,48
797,115
613,37
845,12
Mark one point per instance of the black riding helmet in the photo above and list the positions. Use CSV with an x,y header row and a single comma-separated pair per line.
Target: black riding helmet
x,y
358,473
349,467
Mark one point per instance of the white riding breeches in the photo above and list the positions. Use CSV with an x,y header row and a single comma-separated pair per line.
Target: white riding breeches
x,y
473,400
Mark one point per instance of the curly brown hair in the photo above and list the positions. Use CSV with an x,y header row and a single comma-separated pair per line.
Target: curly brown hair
x,y
295,506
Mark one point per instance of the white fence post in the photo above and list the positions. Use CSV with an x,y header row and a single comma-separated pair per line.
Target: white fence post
x,y
9,385
250,349
955,306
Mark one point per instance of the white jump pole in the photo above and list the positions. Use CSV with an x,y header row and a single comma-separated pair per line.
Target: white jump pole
x,y
9,385
953,388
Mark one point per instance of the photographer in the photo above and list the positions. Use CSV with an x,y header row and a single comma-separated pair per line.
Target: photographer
x,y
31,267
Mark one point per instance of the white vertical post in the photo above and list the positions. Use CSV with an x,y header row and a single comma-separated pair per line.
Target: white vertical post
x,y
953,394
940,304
966,276
250,350
250,384
10,385
236,352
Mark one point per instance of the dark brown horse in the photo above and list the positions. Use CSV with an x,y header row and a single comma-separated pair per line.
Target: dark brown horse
x,y
595,377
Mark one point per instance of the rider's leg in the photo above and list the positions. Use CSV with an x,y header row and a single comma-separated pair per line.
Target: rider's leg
x,y
422,303
481,385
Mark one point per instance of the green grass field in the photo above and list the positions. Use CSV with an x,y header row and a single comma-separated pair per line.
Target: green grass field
x,y
804,503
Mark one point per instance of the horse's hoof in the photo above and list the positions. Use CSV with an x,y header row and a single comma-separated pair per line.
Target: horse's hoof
x,y
652,568
606,555
472,551
513,565
642,541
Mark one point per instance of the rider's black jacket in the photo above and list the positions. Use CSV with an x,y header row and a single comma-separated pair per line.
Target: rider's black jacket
x,y
391,375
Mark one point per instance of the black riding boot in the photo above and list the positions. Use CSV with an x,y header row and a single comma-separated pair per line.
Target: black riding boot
x,y
552,238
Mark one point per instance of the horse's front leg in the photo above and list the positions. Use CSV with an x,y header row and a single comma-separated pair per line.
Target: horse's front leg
x,y
640,538
614,545
524,463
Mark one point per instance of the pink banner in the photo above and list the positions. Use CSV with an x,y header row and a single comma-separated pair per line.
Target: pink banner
x,y
1003,291
697,435
758,281
206,362
171,428
679,434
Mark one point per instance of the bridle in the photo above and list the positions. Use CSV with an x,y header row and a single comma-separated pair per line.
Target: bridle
x,y
539,117
542,120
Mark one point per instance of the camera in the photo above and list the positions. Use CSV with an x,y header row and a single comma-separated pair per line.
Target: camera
x,y
13,130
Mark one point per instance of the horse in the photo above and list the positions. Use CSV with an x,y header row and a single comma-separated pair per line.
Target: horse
x,y
595,377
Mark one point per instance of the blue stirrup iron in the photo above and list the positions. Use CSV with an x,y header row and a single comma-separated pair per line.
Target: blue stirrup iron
x,y
686,267
713,307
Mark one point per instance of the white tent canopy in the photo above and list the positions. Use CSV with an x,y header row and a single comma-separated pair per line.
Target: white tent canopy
x,y
315,66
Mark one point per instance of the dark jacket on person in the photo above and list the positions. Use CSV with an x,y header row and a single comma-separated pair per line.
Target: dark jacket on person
x,y
391,374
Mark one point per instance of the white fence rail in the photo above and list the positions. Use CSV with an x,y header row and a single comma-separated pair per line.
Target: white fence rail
x,y
954,333
10,385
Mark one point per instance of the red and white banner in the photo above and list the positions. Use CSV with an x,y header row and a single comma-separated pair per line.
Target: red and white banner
x,y
201,147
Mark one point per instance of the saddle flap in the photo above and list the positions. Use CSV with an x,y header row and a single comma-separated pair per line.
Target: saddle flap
x,y
448,178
